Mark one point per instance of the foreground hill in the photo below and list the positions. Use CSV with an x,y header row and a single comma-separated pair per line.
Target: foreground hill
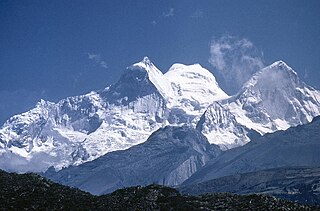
x,y
30,191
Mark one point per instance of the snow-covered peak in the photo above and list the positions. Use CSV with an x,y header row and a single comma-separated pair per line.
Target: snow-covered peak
x,y
277,75
146,64
44,103
146,61
281,65
276,98
194,85
220,126
196,69
155,76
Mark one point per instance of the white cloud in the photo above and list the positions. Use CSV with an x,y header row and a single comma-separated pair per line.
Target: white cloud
x,y
236,59
169,13
96,58
197,14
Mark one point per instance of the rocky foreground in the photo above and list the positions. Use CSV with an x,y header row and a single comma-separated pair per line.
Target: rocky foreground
x,y
31,191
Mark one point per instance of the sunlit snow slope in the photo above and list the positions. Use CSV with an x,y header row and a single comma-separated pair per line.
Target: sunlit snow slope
x,y
273,99
81,128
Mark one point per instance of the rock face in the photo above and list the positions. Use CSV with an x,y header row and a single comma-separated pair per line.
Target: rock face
x,y
169,157
297,146
273,99
81,128
300,184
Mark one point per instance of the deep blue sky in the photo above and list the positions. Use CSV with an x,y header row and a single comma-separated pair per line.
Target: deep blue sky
x,y
53,49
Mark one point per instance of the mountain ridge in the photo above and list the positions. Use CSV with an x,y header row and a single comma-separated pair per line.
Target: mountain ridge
x,y
82,128
273,99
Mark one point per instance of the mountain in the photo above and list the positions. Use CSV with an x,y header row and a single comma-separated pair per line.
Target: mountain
x,y
195,87
273,99
299,184
296,146
169,157
32,192
221,127
82,128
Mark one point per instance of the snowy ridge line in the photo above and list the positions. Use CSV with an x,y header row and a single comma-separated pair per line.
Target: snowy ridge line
x,y
82,128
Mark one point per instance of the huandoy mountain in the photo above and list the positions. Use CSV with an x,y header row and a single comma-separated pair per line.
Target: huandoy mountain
x,y
82,128
169,157
273,99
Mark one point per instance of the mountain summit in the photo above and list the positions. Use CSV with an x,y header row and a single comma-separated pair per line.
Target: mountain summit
x,y
273,99
277,98
82,128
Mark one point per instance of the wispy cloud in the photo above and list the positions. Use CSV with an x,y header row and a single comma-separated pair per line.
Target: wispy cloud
x,y
165,15
306,74
236,59
168,13
96,58
197,14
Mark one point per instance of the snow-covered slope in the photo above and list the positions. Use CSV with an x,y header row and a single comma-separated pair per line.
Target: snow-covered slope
x,y
273,99
81,128
297,146
220,126
169,157
195,87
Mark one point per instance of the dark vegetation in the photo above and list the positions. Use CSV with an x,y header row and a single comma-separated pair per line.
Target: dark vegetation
x,y
31,191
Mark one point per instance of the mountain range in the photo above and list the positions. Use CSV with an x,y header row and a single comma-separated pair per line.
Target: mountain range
x,y
83,128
